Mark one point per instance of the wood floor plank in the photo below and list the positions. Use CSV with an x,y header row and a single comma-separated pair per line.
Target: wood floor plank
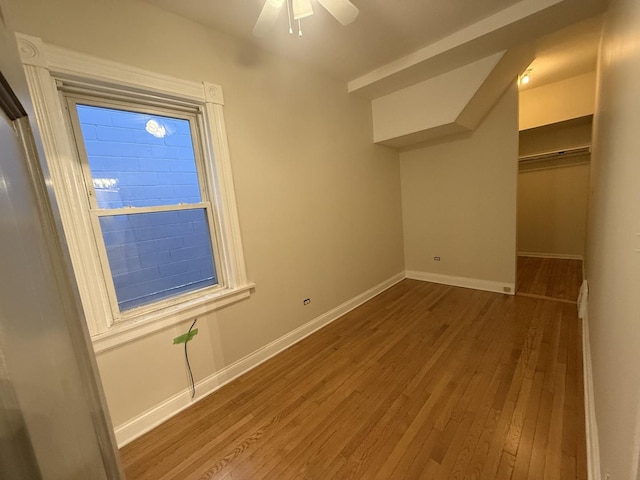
x,y
527,366
554,446
481,410
505,467
423,381
525,446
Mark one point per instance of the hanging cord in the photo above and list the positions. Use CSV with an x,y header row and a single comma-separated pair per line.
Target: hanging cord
x,y
186,356
299,28
289,16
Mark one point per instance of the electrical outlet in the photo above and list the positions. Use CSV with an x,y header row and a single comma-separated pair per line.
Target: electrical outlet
x,y
436,259
507,289
306,301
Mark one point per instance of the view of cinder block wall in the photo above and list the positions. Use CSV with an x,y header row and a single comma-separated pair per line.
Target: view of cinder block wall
x,y
152,255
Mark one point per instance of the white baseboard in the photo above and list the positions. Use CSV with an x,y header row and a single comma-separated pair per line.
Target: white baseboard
x,y
563,256
474,283
583,300
591,427
153,417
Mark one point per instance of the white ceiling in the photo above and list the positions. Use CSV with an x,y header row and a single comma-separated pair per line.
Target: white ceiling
x,y
566,53
388,31
384,30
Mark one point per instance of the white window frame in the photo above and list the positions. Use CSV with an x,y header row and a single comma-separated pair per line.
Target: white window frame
x,y
205,180
48,70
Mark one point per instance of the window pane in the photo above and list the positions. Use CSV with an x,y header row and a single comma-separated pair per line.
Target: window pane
x,y
158,255
137,159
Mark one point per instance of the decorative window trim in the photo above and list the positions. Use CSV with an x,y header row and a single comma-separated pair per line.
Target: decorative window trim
x,y
47,68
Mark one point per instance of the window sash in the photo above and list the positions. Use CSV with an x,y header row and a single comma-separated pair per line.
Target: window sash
x,y
132,105
119,315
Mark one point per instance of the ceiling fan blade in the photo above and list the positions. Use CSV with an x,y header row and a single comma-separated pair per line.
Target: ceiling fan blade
x,y
344,11
268,17
301,9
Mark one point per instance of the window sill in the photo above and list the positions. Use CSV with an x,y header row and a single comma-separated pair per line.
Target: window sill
x,y
131,330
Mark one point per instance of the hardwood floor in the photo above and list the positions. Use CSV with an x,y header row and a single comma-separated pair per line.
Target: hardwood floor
x,y
554,278
425,381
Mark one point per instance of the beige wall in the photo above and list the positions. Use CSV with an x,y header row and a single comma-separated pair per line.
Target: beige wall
x,y
319,204
552,210
458,199
571,98
558,136
613,261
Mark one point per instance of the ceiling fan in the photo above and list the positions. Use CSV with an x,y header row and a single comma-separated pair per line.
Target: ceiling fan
x,y
343,10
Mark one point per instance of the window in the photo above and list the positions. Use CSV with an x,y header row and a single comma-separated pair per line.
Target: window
x,y
151,214
141,172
